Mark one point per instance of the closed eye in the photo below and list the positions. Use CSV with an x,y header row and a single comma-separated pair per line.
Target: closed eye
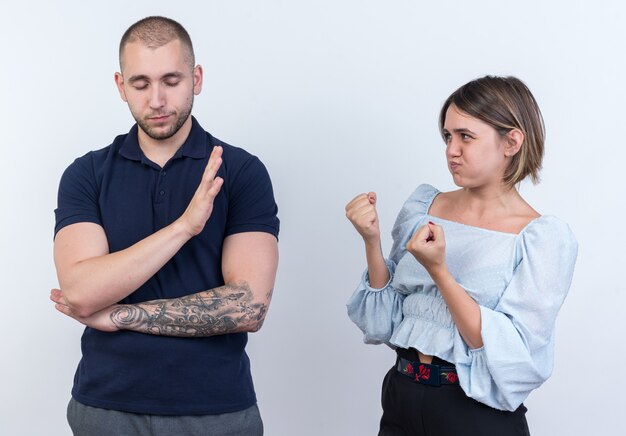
x,y
138,83
172,79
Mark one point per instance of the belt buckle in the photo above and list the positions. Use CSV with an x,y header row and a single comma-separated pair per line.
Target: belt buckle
x,y
423,373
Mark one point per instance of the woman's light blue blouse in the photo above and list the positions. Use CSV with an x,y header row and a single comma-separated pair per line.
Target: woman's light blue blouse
x,y
518,280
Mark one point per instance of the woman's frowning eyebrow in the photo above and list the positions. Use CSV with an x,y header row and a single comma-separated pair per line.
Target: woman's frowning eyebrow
x,y
460,130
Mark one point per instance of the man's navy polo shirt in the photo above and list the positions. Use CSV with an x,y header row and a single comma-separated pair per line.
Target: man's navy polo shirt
x,y
131,198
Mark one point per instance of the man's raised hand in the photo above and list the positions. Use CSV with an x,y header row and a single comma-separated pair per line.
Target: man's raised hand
x,y
201,205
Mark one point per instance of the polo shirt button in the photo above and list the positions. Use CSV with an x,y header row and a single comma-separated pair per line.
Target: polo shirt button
x,y
162,192
163,173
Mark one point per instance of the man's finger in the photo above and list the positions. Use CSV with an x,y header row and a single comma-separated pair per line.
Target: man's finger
x,y
212,166
65,311
57,297
209,174
215,188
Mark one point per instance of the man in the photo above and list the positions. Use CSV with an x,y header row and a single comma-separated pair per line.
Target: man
x,y
166,249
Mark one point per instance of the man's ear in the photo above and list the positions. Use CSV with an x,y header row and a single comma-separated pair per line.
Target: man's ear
x,y
513,142
197,79
119,82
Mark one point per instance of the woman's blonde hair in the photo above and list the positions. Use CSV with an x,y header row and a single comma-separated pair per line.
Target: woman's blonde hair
x,y
505,103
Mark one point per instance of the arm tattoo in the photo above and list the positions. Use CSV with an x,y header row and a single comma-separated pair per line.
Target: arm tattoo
x,y
227,309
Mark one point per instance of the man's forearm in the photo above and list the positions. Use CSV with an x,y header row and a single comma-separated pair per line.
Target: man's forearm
x,y
249,263
95,283
93,279
228,309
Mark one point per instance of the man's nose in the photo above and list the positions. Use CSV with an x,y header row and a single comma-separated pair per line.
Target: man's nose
x,y
157,97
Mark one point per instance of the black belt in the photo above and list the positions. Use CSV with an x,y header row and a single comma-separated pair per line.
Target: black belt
x,y
428,374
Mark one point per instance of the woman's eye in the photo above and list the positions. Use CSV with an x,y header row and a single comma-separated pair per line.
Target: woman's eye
x,y
465,137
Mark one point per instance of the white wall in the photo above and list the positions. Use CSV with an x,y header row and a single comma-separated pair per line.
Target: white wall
x,y
336,97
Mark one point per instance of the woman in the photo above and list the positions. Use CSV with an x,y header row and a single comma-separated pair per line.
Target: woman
x,y
470,292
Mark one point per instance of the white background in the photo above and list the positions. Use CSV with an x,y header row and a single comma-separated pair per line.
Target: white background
x,y
336,97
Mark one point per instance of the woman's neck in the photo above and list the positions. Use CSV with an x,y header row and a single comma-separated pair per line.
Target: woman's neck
x,y
479,202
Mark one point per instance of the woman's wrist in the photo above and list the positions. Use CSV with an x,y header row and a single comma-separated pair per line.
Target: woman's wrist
x,y
377,266
372,243
440,274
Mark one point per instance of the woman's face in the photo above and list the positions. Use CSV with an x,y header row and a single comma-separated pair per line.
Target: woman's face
x,y
475,151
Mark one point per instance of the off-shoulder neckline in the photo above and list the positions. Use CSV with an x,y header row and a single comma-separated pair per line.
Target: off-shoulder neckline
x,y
436,192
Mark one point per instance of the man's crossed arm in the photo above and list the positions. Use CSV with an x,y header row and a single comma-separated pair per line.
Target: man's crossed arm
x,y
93,280
249,263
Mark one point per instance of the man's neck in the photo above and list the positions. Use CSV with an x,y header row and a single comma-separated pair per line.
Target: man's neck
x,y
160,151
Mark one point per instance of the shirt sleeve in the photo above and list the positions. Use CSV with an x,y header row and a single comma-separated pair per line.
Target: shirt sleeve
x,y
518,334
252,207
378,312
78,194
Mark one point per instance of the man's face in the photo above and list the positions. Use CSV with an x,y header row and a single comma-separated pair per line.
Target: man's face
x,y
158,85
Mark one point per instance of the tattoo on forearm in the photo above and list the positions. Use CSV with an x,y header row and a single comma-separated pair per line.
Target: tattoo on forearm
x,y
227,309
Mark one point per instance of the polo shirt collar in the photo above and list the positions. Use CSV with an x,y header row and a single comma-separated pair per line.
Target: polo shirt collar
x,y
195,146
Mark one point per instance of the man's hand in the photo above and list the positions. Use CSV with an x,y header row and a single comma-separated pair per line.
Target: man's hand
x,y
93,279
100,320
361,212
249,262
201,205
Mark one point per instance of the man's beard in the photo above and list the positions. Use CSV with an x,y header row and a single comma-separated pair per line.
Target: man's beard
x,y
180,120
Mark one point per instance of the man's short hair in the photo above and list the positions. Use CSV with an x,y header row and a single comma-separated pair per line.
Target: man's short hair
x,y
155,32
